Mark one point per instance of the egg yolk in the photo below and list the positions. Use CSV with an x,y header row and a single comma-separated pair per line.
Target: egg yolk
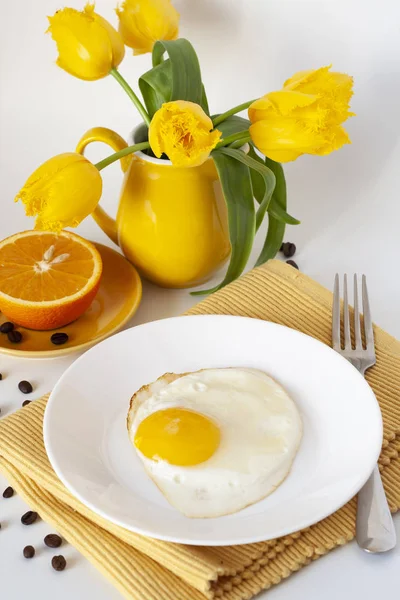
x,y
177,435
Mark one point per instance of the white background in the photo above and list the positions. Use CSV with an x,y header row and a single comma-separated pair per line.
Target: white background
x,y
348,202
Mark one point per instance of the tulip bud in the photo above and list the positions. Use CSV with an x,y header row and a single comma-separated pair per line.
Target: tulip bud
x,y
88,46
143,22
304,117
61,192
182,131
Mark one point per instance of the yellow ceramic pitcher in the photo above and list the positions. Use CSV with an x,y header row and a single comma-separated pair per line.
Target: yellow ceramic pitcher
x,y
171,222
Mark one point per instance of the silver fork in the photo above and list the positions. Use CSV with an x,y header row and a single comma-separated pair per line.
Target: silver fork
x,y
374,525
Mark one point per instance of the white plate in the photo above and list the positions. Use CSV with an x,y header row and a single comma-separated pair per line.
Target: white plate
x,y
87,441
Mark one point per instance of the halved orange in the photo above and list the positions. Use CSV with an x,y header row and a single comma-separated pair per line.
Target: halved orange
x,y
47,280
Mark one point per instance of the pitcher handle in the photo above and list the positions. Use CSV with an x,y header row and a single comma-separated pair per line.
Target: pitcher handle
x,y
107,136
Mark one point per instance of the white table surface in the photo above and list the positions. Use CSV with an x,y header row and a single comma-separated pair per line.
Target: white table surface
x,y
348,203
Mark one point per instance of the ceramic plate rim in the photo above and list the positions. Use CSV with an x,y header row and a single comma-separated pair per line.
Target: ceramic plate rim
x,y
212,542
58,352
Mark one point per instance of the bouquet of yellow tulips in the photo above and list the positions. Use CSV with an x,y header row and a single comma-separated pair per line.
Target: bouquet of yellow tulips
x,y
304,117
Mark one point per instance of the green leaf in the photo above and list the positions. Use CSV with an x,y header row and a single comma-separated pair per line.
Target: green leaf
x,y
141,134
177,78
236,186
204,101
268,179
276,229
275,209
257,180
186,81
233,124
155,86
279,213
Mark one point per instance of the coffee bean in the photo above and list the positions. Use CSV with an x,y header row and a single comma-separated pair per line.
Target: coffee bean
x,y
288,249
59,338
8,492
26,402
58,563
292,264
14,336
6,327
25,387
29,551
53,540
1,376
29,517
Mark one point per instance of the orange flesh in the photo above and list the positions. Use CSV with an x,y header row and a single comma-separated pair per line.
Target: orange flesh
x,y
21,274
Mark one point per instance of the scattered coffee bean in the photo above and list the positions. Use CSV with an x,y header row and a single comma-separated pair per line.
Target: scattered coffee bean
x,y
8,492
59,338
6,327
26,402
53,540
25,387
292,264
29,517
58,563
14,336
1,376
29,551
288,249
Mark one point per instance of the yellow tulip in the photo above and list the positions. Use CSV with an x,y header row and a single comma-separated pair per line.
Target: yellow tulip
x,y
61,192
143,22
304,117
88,46
182,131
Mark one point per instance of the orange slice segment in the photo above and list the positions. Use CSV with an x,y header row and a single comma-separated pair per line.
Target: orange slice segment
x,y
47,280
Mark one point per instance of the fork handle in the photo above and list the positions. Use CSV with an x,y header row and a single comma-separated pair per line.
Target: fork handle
x,y
375,530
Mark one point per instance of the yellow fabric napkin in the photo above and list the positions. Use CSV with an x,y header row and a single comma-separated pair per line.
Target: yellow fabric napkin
x,y
146,569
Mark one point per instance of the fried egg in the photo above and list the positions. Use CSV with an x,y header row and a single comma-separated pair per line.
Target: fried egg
x,y
216,440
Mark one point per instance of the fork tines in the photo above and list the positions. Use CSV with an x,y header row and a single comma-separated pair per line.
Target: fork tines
x,y
368,331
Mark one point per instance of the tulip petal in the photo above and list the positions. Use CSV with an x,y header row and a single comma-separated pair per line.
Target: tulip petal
x,y
282,103
155,138
283,156
182,131
304,117
88,46
335,90
201,117
343,80
33,193
117,44
286,101
335,139
303,78
143,22
256,114
263,103
284,134
61,192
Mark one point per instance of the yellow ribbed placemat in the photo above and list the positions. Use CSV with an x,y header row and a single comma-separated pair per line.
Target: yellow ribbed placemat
x,y
146,569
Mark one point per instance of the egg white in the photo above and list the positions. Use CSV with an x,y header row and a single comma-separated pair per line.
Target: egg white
x,y
260,427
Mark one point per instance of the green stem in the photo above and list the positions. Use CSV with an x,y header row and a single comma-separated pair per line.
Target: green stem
x,y
240,143
117,155
233,138
125,85
231,112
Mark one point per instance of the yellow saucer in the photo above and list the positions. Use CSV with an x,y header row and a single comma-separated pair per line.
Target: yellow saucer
x,y
116,301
